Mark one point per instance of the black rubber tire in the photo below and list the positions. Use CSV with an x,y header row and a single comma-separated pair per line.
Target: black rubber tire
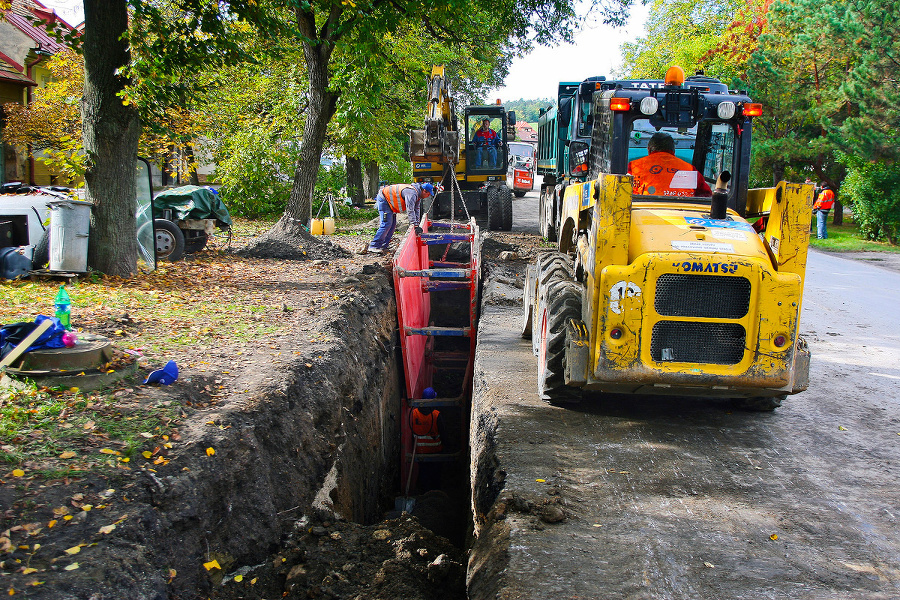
x,y
169,240
564,304
195,242
546,210
494,209
528,302
41,256
519,193
760,403
506,205
550,266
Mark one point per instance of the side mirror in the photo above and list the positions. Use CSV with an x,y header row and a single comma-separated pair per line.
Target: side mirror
x,y
512,117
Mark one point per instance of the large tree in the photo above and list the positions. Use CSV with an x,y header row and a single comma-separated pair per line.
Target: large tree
x,y
111,131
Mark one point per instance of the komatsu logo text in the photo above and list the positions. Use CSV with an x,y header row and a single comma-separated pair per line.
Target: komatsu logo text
x,y
697,267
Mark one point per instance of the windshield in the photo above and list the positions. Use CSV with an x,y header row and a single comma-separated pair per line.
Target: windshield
x,y
521,149
708,146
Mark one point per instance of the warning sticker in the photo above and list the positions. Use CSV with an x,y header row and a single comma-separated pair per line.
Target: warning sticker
x,y
684,180
702,246
729,234
719,223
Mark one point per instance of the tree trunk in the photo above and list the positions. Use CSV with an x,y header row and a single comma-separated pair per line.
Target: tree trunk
x,y
189,154
777,172
838,214
371,179
355,181
322,106
111,131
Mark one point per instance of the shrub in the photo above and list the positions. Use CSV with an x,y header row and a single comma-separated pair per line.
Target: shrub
x,y
873,188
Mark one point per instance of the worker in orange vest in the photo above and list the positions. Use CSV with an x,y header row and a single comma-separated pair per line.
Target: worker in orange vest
x,y
824,202
661,173
392,199
425,426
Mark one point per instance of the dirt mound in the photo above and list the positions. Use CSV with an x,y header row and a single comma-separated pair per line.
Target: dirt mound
x,y
325,559
291,243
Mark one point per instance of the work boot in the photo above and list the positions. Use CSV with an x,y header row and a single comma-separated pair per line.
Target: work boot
x,y
376,251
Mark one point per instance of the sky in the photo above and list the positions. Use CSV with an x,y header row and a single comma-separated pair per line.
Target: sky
x,y
596,51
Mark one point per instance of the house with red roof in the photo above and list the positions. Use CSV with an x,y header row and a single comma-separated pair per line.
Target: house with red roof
x,y
525,133
25,47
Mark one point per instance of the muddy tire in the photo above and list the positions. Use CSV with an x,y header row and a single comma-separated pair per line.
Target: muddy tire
x,y
506,205
169,240
550,266
564,304
528,293
519,194
494,209
760,403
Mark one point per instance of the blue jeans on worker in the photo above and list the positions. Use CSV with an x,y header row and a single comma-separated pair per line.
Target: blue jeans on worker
x,y
822,224
491,152
387,225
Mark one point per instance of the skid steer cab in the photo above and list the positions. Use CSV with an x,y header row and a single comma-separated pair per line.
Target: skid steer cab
x,y
692,287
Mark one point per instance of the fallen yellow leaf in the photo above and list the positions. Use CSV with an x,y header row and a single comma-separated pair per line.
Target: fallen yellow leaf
x,y
773,537
213,564
73,550
67,518
12,592
29,571
87,507
62,510
210,451
106,529
71,567
253,581
239,578
541,480
108,451
51,524
146,454
841,428
18,473
68,454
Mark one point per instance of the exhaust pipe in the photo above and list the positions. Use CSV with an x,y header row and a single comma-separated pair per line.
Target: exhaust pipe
x,y
719,206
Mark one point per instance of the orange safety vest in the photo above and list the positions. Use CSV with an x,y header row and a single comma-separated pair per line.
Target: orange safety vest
x,y
425,431
825,200
392,194
653,174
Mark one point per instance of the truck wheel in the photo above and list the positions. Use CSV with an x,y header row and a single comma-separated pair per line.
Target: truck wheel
x,y
194,240
506,205
760,403
548,220
550,267
169,240
565,304
528,302
494,210
519,193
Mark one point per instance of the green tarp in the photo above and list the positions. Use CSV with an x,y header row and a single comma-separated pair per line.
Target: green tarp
x,y
192,202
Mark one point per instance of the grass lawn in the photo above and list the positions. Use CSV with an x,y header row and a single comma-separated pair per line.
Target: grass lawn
x,y
847,238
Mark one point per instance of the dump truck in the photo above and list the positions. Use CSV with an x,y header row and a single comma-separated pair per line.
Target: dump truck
x,y
471,173
566,121
673,294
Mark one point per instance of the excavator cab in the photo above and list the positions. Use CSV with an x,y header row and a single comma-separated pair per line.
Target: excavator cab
x,y
487,147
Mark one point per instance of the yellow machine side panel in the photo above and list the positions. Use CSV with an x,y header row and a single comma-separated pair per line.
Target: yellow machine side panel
x,y
787,231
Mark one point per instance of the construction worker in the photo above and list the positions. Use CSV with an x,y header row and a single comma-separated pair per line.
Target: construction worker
x,y
426,427
823,204
486,139
392,199
661,173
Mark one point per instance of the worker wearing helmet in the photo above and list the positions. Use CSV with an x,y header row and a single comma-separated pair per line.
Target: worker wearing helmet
x,y
392,199
661,173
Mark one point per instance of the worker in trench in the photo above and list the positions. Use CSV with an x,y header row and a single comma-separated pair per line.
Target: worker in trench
x,y
661,173
392,199
427,428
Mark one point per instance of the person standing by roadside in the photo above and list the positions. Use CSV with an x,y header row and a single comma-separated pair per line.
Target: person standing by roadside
x,y
392,199
821,208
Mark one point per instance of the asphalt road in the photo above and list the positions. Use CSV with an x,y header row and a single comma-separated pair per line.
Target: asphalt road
x,y
687,498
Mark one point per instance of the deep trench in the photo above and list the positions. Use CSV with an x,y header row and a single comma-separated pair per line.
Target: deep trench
x,y
320,443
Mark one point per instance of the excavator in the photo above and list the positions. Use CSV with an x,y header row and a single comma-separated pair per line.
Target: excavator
x,y
472,172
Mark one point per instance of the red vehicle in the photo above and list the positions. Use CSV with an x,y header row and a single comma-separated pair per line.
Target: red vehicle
x,y
522,161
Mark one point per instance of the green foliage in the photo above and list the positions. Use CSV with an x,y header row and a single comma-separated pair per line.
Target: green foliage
x,y
528,110
874,190
254,167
